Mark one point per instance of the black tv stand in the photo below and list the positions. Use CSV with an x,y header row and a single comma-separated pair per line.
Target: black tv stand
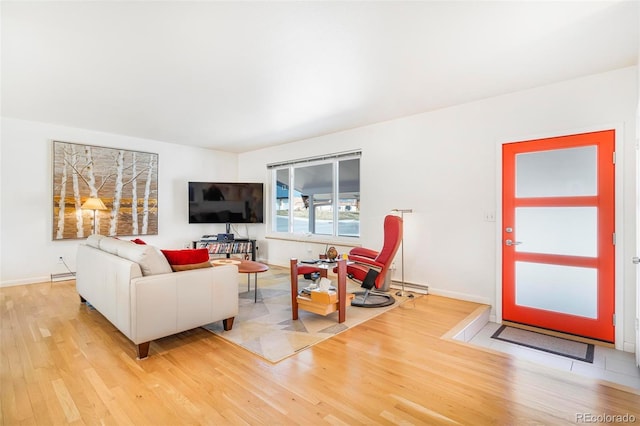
x,y
244,246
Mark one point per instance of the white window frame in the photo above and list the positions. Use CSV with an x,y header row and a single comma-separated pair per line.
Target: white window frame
x,y
291,165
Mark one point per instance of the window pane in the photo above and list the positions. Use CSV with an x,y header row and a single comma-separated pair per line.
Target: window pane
x,y
349,198
313,188
300,212
323,209
281,223
558,173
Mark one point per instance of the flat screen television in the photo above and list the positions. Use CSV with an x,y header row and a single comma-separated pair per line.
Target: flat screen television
x,y
226,202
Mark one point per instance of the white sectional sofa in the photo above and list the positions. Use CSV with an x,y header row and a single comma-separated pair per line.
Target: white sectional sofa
x,y
134,287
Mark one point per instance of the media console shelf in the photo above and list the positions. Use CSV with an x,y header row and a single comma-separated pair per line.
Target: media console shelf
x,y
247,247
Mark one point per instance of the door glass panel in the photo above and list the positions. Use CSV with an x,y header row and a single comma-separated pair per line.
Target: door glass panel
x,y
571,231
565,289
558,173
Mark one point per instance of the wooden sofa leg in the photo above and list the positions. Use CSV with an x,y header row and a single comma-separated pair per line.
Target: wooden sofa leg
x,y
228,323
143,350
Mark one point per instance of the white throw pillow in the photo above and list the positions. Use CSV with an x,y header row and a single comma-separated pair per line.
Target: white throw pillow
x,y
150,259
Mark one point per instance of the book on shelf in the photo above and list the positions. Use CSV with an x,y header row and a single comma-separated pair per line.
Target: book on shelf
x,y
226,248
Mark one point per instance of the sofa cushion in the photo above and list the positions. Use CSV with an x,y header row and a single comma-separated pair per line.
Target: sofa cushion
x,y
181,260
93,240
111,245
151,261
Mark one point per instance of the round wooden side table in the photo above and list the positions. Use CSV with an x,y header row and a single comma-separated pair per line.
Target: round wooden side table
x,y
245,267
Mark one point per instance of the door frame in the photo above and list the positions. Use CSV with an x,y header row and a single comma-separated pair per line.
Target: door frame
x,y
619,252
637,248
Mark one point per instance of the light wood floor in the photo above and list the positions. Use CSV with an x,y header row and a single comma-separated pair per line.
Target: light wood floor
x,y
63,363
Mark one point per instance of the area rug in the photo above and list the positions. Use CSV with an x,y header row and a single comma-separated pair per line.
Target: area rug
x,y
542,342
267,329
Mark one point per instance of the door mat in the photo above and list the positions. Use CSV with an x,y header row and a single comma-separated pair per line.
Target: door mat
x,y
542,342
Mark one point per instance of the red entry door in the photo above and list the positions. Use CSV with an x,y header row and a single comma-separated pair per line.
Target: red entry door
x,y
558,234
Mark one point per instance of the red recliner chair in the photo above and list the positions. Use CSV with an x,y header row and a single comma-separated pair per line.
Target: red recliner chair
x,y
371,267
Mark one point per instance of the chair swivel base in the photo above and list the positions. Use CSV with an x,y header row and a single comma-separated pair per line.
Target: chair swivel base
x,y
368,299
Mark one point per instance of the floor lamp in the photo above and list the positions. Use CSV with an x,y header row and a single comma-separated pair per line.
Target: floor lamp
x,y
94,204
402,212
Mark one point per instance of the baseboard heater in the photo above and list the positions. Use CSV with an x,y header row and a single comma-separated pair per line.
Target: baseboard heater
x,y
416,288
63,276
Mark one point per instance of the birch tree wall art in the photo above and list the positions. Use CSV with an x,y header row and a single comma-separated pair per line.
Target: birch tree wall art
x,y
126,181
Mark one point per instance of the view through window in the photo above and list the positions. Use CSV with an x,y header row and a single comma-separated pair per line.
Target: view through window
x,y
319,196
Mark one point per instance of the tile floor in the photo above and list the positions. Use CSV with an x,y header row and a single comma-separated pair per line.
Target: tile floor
x,y
608,364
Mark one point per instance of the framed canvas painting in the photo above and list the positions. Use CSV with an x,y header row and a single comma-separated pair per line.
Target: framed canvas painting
x,y
101,190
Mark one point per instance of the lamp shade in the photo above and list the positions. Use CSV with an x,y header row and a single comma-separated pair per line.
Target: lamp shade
x,y
93,204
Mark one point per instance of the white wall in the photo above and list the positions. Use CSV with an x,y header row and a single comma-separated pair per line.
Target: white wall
x,y
444,165
28,252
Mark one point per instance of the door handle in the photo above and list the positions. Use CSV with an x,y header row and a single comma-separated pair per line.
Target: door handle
x,y
513,243
636,260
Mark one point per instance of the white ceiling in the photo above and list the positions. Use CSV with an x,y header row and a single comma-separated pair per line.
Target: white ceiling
x,y
238,76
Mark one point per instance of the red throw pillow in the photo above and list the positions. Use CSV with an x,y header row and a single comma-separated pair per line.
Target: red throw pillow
x,y
183,260
138,241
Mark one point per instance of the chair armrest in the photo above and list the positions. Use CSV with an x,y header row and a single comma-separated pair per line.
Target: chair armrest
x,y
363,252
366,261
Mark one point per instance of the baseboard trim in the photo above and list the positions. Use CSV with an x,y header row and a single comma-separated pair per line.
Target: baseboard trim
x,y
416,288
65,276
460,296
25,281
